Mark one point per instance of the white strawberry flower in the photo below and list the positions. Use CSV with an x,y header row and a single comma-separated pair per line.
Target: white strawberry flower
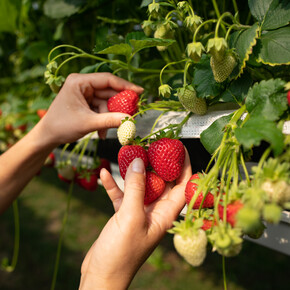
x,y
126,131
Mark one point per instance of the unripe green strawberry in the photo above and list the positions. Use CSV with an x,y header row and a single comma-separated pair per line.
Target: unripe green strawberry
x,y
248,219
165,91
222,68
272,213
217,47
226,241
163,31
194,50
189,100
126,131
191,246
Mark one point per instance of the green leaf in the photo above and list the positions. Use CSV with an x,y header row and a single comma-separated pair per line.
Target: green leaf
x,y
278,15
203,80
267,99
243,42
122,48
9,12
238,89
258,129
149,42
274,47
61,8
211,137
259,8
37,50
136,35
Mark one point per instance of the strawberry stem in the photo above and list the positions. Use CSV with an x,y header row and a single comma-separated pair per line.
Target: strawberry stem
x,y
224,272
11,268
59,246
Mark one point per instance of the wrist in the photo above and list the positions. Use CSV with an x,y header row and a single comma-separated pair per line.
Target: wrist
x,y
92,281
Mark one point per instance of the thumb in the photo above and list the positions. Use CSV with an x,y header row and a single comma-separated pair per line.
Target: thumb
x,y
134,189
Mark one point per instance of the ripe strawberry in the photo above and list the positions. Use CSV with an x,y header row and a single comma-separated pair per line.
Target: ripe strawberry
x,y
288,97
222,68
126,131
41,112
208,223
127,154
50,160
190,190
105,163
232,210
124,102
88,180
189,100
166,156
155,186
191,245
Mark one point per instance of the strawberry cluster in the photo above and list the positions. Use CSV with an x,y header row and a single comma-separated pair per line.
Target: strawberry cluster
x,y
163,160
85,176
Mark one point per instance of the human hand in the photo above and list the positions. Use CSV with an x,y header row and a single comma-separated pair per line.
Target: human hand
x,y
81,107
134,231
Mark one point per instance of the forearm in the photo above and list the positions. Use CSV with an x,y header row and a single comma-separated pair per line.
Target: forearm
x,y
21,163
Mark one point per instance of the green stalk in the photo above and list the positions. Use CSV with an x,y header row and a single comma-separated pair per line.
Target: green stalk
x,y
224,272
202,24
11,268
59,246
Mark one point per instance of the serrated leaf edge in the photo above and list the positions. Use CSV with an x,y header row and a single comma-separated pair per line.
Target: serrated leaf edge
x,y
249,51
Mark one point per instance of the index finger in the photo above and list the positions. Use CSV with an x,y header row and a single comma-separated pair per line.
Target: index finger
x,y
100,81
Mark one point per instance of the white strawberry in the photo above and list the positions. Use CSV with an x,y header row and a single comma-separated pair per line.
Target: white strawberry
x,y
126,131
190,242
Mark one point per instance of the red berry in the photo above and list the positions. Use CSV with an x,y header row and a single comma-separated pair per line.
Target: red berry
x,y
232,210
167,158
288,97
127,154
124,102
50,160
41,113
105,163
190,190
87,180
155,186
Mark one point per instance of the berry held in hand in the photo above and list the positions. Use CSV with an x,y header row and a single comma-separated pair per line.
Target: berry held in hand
x,y
124,102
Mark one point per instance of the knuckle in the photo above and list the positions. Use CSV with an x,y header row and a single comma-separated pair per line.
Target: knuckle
x,y
72,78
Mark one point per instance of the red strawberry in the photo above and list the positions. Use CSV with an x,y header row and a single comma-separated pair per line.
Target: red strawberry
x,y
288,97
190,190
50,160
207,224
124,102
105,163
232,210
167,157
87,180
41,113
127,154
155,186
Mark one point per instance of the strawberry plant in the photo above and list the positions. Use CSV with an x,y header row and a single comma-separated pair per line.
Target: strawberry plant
x,y
189,57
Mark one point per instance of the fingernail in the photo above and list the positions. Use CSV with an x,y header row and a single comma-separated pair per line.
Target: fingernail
x,y
138,165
